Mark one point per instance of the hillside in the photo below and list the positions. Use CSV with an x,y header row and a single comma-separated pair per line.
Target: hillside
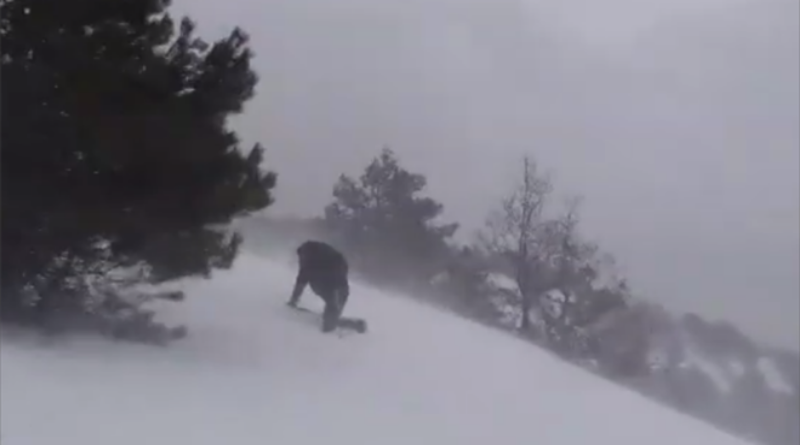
x,y
252,372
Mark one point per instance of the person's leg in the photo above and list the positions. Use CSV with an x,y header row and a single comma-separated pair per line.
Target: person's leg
x,y
342,293
334,304
333,318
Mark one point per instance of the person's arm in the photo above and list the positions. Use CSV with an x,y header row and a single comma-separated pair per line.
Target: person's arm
x,y
299,285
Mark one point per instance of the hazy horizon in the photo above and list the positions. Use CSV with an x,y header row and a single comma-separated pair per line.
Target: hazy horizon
x,y
676,120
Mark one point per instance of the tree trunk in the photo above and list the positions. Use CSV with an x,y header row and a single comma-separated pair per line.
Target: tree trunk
x,y
525,322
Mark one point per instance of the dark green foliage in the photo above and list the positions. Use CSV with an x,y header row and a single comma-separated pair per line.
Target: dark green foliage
x,y
115,150
386,224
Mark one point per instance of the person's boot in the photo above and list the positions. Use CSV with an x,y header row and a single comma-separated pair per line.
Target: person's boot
x,y
356,324
360,326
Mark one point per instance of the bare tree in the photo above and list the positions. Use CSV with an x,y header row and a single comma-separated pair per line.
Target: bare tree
x,y
519,234
555,270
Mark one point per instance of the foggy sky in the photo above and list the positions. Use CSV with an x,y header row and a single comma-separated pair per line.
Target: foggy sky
x,y
677,120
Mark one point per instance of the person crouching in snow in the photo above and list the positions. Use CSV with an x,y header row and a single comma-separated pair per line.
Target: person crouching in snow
x,y
325,269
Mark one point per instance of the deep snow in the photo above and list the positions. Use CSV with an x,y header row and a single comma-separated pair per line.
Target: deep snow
x,y
254,372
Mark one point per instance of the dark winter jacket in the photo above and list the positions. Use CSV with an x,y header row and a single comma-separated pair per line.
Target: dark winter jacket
x,y
323,268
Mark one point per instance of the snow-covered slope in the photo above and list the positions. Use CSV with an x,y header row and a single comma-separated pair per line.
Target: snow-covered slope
x,y
252,372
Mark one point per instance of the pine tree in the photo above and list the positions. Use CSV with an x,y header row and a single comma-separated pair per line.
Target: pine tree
x,y
115,149
382,218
